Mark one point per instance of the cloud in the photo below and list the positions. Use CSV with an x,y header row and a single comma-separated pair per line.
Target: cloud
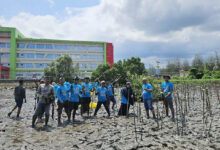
x,y
51,2
150,29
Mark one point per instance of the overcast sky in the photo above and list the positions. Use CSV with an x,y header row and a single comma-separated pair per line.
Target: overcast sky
x,y
150,29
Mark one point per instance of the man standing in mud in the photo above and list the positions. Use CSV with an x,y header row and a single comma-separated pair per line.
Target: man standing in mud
x,y
110,88
19,94
147,97
46,97
86,96
167,89
63,99
102,93
74,98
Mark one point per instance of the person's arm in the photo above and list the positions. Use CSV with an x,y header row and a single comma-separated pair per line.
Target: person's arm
x,y
170,90
149,88
97,91
24,95
59,96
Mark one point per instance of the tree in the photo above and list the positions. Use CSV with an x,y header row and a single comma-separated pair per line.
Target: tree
x,y
185,64
119,70
62,67
197,62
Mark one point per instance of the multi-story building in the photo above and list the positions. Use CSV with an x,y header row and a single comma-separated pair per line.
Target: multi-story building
x,y
27,57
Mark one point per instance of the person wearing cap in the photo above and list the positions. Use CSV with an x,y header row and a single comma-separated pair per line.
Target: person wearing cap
x,y
102,93
20,96
147,97
127,97
46,97
74,98
167,89
63,99
85,98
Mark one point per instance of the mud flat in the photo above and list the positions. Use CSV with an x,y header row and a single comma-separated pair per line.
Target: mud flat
x,y
115,133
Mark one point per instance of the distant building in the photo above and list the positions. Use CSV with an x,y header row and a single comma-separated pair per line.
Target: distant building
x,y
27,57
184,73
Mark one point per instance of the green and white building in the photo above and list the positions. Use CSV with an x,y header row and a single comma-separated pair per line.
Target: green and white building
x,y
27,57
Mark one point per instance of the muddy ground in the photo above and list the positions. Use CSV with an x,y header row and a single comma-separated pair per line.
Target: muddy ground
x,y
115,133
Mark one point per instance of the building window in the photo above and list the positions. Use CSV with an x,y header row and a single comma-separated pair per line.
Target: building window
x,y
5,55
8,45
39,55
79,48
21,45
40,46
96,48
5,65
48,46
66,47
2,45
28,65
31,46
29,55
59,47
83,66
93,66
39,65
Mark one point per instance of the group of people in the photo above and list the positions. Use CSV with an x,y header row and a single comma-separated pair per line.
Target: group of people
x,y
70,96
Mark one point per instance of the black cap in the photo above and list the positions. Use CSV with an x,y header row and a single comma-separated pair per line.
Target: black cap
x,y
166,76
76,78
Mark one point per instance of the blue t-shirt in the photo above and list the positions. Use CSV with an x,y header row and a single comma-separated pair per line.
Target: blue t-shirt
x,y
75,92
96,84
145,93
86,91
102,94
62,93
123,99
110,90
68,86
167,87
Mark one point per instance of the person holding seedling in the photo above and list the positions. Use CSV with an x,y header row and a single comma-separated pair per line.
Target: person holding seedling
x,y
147,97
102,93
127,99
167,89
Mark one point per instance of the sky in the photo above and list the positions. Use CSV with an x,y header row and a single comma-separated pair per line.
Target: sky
x,y
154,30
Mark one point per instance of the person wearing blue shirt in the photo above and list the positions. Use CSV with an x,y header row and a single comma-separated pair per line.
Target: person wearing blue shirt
x,y
85,98
147,97
74,97
63,99
110,88
167,89
102,93
127,99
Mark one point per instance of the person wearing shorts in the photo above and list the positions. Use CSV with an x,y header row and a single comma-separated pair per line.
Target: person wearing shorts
x,y
74,98
63,99
167,89
147,97
19,94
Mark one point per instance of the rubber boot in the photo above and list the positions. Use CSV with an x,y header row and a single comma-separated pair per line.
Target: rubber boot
x,y
33,121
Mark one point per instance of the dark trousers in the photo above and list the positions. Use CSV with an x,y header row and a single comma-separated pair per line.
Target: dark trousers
x,y
99,104
124,109
64,105
85,101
